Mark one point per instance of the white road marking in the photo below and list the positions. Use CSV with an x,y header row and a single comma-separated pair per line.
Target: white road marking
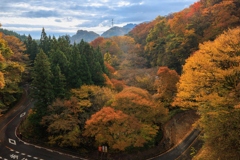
x,y
49,150
23,114
12,141
38,147
13,156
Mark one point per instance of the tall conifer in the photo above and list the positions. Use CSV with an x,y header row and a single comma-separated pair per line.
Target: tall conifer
x,y
42,89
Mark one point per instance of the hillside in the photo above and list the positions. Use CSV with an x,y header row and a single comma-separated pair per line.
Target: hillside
x,y
118,31
12,33
170,40
85,35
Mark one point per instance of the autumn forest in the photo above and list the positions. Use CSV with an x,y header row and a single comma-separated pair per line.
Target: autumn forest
x,y
120,91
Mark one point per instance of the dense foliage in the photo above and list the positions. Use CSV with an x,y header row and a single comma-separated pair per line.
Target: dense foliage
x,y
12,66
210,83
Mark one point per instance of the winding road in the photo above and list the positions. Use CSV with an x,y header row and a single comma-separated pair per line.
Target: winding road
x,y
11,147
176,151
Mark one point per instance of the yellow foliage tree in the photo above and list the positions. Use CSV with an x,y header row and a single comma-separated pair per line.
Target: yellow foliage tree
x,y
10,74
62,123
139,103
210,83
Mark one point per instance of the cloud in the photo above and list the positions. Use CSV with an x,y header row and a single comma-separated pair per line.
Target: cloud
x,y
58,20
40,14
61,16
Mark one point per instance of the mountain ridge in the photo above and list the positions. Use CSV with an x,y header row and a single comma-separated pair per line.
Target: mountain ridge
x,y
89,36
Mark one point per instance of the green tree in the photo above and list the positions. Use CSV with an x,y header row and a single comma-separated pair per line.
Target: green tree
x,y
57,57
45,42
79,72
95,62
59,83
41,87
31,48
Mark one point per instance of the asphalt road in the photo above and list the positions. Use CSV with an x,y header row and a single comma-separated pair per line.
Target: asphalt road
x,y
176,151
11,147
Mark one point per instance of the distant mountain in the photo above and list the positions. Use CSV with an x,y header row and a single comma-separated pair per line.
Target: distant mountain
x,y
85,35
118,31
90,36
130,25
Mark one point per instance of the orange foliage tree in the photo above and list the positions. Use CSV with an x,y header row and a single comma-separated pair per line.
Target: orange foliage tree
x,y
118,129
109,47
165,84
139,103
221,16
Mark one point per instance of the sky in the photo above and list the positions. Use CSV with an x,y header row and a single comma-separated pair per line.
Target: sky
x,y
61,17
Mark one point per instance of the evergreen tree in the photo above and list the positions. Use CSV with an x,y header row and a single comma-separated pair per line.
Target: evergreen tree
x,y
100,59
84,71
45,42
31,48
74,80
42,89
94,60
59,82
97,75
64,44
57,57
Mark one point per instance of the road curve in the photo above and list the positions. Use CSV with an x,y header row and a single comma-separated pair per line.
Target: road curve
x,y
11,147
177,151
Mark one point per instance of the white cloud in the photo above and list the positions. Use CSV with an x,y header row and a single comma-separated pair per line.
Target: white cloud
x,y
123,4
61,16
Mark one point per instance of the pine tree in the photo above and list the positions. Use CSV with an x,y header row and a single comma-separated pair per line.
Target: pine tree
x,y
84,71
97,74
31,48
57,57
100,59
73,78
45,42
42,89
95,62
59,82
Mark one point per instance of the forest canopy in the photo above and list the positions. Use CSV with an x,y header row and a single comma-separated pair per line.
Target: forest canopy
x,y
120,91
